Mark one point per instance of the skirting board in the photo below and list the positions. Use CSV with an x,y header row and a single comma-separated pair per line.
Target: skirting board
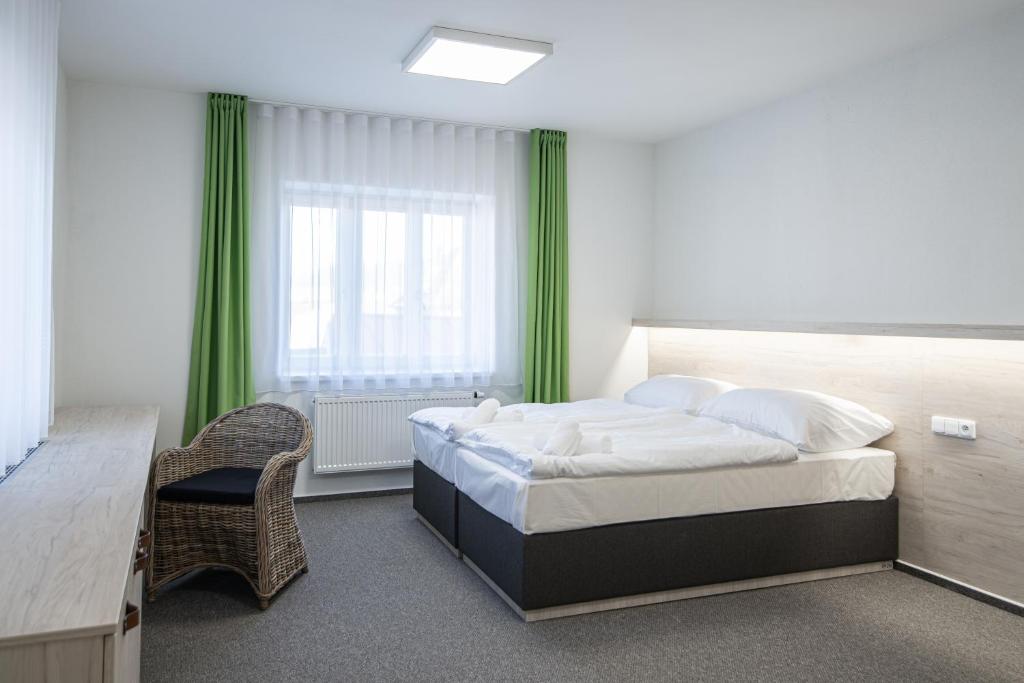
x,y
680,593
430,527
320,497
962,588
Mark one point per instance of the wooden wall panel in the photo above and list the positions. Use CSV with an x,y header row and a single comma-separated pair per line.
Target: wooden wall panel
x,y
961,502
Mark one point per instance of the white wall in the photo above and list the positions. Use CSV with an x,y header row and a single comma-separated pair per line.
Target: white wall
x,y
126,262
895,194
128,270
610,231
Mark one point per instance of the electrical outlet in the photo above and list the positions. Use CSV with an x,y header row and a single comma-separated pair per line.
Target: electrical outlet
x,y
955,426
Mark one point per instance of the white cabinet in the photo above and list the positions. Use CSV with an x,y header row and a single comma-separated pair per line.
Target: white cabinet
x,y
72,550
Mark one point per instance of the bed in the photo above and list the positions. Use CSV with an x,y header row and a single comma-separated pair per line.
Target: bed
x,y
435,498
565,504
566,536
550,575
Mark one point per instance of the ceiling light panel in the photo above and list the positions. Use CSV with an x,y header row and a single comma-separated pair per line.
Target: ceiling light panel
x,y
472,56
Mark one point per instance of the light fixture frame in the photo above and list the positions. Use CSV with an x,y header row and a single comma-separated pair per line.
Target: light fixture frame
x,y
472,37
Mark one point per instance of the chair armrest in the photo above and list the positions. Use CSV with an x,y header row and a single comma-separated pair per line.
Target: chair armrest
x,y
279,475
175,464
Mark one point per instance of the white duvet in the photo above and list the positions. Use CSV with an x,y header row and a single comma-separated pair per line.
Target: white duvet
x,y
659,441
644,440
592,410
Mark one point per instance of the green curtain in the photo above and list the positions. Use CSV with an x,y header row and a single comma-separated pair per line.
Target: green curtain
x,y
220,375
547,305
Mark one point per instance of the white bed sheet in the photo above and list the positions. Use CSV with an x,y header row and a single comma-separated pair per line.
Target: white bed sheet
x,y
434,450
546,505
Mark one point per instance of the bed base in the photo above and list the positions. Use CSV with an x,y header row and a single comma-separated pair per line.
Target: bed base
x,y
435,501
543,576
645,599
430,527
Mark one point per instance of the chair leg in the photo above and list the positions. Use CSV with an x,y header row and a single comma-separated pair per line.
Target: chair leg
x,y
305,570
264,603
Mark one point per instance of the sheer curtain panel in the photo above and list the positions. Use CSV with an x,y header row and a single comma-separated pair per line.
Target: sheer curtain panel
x,y
28,106
385,252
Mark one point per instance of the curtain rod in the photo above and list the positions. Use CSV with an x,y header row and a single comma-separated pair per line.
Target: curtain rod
x,y
278,103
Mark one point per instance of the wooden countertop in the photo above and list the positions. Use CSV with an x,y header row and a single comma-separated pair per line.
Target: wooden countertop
x,y
68,519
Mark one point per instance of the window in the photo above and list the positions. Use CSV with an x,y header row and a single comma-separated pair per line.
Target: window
x,y
383,266
411,280
386,255
443,243
28,81
314,234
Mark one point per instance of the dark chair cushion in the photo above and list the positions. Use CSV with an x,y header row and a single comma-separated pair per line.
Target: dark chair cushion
x,y
231,485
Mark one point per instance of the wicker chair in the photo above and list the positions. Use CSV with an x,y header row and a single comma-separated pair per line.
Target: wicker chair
x,y
260,538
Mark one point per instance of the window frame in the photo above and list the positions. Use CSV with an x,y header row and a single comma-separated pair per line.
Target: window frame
x,y
353,198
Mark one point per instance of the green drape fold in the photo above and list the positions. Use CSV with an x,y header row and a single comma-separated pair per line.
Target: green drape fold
x,y
220,373
546,377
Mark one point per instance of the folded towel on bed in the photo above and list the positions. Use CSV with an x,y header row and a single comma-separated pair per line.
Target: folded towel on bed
x,y
511,415
474,417
484,412
554,443
564,440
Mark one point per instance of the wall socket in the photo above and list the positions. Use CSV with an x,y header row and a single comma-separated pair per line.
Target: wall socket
x,y
955,426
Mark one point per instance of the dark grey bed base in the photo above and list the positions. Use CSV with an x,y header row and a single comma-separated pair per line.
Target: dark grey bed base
x,y
539,571
436,501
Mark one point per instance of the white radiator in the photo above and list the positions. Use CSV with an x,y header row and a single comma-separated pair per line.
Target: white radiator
x,y
354,433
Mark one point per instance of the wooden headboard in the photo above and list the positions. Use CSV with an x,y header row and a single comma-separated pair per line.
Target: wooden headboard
x,y
961,502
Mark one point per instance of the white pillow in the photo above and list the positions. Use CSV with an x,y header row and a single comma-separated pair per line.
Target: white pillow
x,y
812,422
677,391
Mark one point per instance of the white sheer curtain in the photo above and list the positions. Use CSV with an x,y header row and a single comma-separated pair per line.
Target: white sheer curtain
x,y
28,94
385,251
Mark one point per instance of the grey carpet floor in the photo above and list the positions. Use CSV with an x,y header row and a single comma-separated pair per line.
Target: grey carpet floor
x,y
385,601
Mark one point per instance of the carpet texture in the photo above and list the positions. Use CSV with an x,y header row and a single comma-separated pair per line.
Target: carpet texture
x,y
385,601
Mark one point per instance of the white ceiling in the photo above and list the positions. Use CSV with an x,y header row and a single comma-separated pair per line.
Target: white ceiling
x,y
639,70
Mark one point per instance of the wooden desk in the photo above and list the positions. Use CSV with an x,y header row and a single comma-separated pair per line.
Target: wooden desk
x,y
70,523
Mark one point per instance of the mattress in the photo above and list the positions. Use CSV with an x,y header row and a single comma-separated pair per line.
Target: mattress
x,y
563,504
435,451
